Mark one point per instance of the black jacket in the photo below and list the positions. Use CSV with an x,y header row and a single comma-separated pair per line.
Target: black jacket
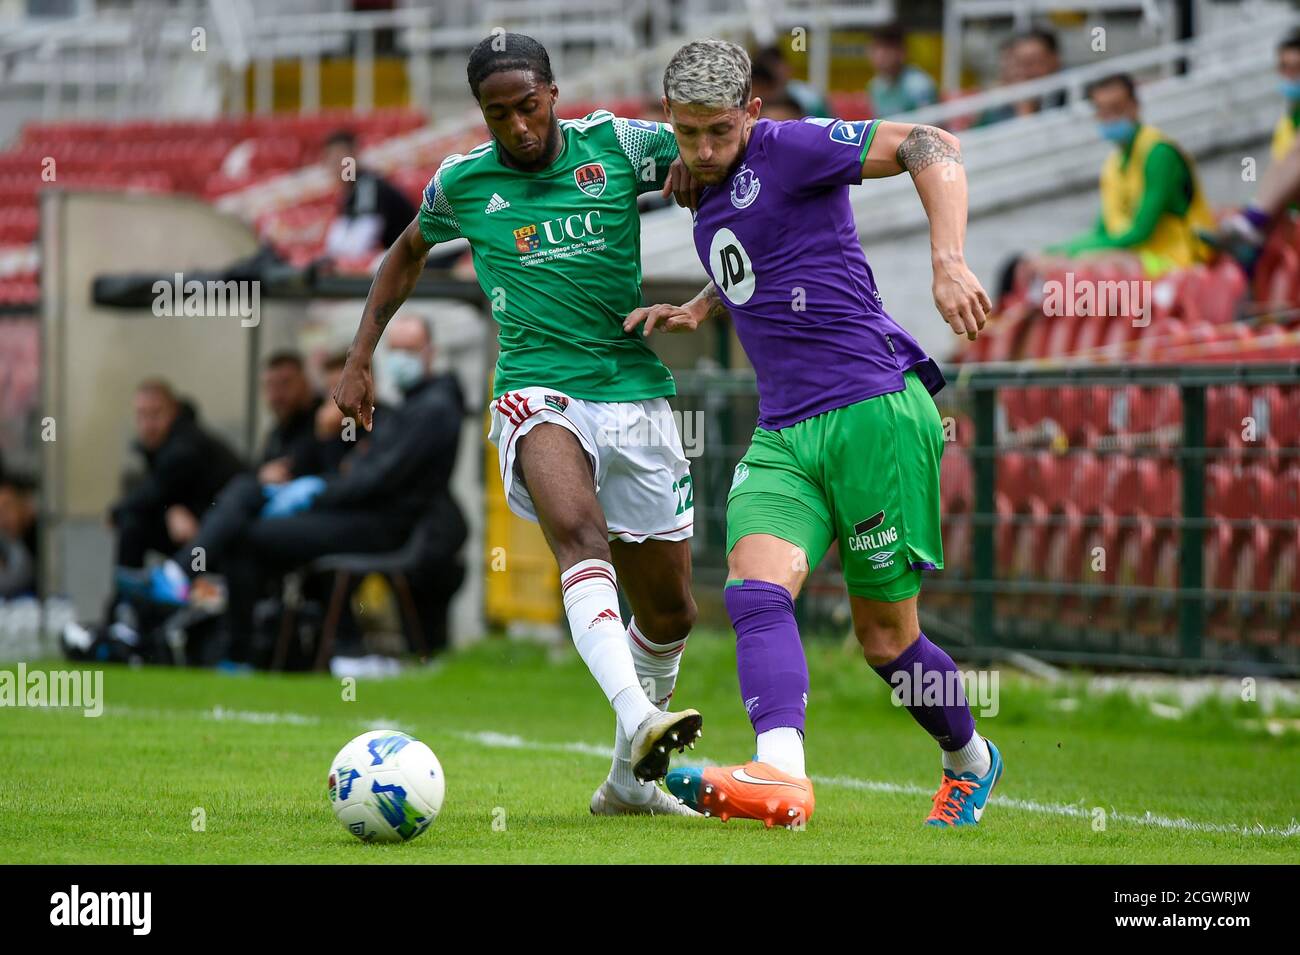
x,y
372,194
406,465
294,439
188,468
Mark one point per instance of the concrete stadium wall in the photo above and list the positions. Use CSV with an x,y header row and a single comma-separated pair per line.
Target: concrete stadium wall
x,y
92,357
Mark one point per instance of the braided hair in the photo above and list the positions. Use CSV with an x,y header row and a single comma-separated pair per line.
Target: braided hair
x,y
502,52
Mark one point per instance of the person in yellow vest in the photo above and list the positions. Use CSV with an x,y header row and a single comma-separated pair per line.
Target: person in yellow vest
x,y
1288,68
1152,205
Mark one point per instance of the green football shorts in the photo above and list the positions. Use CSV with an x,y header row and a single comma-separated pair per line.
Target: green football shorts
x,y
866,475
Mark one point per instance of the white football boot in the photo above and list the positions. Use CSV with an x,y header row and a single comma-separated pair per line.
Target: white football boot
x,y
606,802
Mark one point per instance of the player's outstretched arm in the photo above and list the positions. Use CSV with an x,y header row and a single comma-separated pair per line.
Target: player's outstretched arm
x,y
933,158
397,275
678,318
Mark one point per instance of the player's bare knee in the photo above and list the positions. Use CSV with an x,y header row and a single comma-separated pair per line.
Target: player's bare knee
x,y
788,577
574,539
669,623
883,638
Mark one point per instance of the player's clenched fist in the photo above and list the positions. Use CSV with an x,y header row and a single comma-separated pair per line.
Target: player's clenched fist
x,y
355,393
960,298
667,318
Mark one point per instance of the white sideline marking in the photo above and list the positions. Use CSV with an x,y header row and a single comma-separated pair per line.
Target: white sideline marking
x,y
501,740
496,740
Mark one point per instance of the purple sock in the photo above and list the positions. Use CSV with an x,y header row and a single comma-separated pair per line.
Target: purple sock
x,y
769,654
924,665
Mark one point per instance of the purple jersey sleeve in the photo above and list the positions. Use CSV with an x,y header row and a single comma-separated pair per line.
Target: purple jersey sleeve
x,y
814,154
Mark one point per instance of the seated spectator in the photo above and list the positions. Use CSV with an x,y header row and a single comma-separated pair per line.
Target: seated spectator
x,y
19,567
290,448
1288,68
1026,56
1152,205
334,436
772,82
897,85
1037,54
185,469
372,211
782,108
382,491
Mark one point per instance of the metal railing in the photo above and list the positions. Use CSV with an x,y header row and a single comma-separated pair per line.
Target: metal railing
x,y
1142,516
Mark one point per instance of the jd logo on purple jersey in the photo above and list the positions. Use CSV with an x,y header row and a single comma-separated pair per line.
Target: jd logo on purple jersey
x,y
744,187
733,272
590,179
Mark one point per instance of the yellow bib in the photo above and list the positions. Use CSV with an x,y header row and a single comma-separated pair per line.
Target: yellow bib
x,y
1283,136
1174,243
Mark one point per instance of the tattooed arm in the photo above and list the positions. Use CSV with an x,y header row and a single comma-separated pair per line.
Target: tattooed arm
x,y
401,268
678,318
933,158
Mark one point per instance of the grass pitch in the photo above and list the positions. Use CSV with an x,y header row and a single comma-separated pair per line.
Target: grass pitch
x,y
524,735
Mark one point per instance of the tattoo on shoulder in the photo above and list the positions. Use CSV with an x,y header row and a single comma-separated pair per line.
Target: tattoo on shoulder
x,y
924,147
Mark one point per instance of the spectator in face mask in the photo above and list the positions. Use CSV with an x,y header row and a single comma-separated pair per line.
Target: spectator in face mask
x,y
1152,205
1288,68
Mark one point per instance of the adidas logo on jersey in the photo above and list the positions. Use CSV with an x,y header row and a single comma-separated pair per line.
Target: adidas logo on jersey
x,y
496,204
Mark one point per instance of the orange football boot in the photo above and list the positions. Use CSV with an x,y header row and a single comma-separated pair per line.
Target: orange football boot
x,y
752,791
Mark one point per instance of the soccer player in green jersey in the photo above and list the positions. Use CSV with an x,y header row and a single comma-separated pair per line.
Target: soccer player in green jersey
x,y
587,444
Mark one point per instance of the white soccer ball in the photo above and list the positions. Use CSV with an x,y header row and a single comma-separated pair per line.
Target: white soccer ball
x,y
386,786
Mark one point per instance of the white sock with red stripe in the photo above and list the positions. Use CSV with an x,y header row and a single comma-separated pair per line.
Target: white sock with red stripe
x,y
591,603
656,667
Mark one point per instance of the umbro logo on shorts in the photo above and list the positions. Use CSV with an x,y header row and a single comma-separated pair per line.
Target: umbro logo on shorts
x,y
496,204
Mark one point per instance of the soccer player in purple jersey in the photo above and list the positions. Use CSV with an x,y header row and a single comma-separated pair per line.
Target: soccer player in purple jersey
x,y
848,441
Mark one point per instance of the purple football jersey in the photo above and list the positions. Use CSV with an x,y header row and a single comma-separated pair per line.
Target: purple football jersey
x,y
778,239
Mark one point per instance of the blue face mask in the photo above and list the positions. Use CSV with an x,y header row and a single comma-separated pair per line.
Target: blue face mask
x,y
1118,131
1290,89
404,369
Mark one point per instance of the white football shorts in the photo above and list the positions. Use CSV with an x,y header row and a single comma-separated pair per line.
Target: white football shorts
x,y
643,481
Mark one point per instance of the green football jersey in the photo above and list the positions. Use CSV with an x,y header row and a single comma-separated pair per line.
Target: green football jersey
x,y
558,254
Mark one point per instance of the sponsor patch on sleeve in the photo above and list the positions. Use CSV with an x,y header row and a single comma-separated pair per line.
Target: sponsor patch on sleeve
x,y
850,132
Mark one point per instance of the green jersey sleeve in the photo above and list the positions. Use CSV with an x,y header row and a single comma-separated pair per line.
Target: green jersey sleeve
x,y
437,218
650,148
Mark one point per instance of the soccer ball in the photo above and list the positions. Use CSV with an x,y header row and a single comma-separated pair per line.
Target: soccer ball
x,y
385,786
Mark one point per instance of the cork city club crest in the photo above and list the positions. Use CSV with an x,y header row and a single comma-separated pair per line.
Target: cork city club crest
x,y
590,178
